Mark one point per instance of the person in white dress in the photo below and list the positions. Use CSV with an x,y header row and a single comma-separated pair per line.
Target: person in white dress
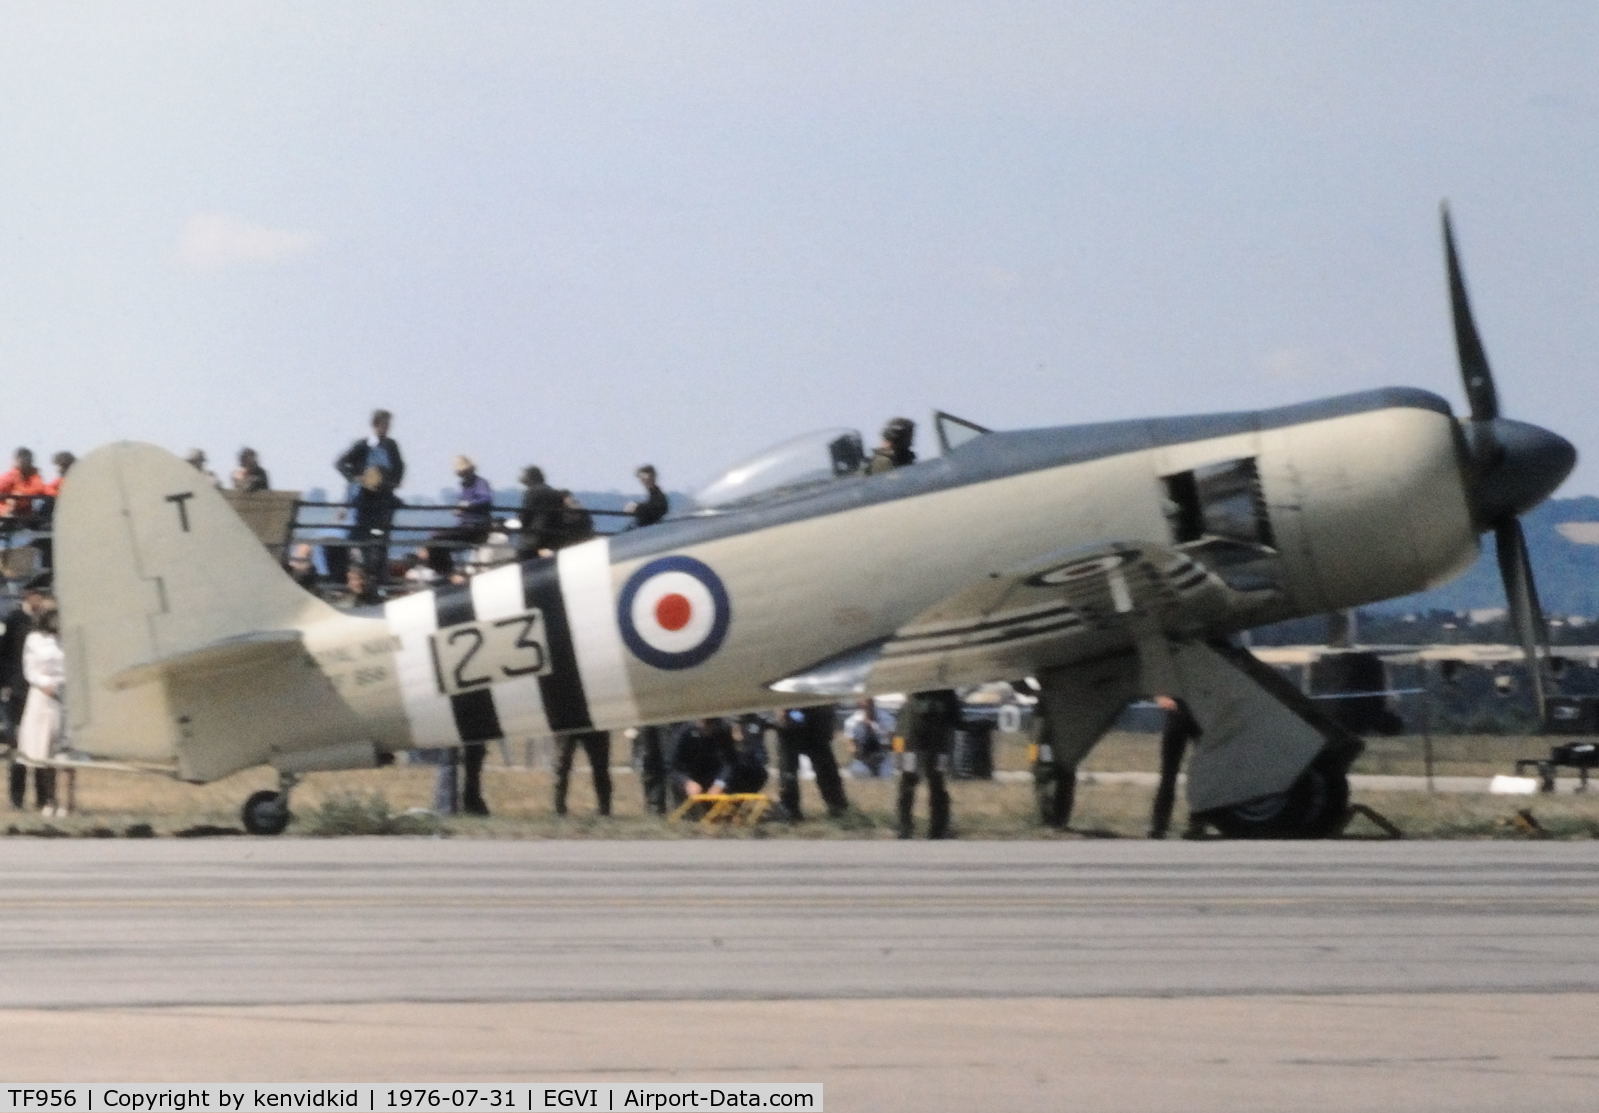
x,y
40,735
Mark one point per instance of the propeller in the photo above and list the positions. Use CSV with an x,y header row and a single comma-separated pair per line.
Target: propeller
x,y
1512,466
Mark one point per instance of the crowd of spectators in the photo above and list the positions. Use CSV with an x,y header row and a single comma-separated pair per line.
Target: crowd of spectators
x,y
373,468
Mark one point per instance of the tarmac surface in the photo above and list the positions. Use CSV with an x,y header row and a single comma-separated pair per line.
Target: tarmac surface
x,y
1091,974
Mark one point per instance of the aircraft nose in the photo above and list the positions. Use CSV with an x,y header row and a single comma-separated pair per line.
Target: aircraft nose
x,y
1524,466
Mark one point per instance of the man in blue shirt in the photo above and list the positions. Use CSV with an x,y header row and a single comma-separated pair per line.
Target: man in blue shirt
x,y
374,469
474,517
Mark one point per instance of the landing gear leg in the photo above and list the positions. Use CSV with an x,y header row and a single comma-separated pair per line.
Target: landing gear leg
x,y
267,812
1077,706
1269,764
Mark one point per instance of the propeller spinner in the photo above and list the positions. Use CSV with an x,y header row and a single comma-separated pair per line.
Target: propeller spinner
x,y
1512,466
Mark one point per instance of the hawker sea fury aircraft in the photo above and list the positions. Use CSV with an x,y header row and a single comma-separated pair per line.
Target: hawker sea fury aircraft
x,y
1107,560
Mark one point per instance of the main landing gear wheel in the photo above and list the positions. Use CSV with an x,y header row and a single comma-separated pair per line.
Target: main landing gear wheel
x,y
1313,807
266,813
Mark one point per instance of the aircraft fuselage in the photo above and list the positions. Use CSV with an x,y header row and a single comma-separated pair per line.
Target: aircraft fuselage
x,y
1361,499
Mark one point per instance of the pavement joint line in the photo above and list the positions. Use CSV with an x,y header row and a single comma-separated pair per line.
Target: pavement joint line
x,y
13,904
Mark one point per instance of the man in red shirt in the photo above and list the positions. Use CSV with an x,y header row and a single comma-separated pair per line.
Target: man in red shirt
x,y
22,480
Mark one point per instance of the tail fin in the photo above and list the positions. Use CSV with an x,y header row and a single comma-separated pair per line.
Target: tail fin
x,y
153,565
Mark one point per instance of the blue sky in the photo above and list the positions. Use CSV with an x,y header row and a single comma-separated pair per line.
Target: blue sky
x,y
587,235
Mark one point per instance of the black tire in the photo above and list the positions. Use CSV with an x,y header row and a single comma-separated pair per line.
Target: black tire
x,y
265,813
1313,807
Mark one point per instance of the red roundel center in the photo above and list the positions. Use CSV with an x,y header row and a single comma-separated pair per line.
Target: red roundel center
x,y
673,612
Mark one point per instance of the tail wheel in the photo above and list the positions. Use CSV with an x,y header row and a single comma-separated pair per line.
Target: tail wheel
x,y
1313,807
266,813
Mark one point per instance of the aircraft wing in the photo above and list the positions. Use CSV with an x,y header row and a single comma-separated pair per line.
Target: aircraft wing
x,y
1074,604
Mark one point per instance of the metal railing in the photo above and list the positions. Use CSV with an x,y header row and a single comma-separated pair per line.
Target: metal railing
x,y
329,525
280,520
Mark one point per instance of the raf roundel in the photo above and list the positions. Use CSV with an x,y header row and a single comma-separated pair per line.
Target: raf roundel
x,y
673,612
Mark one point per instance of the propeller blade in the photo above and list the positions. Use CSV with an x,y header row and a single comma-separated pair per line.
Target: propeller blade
x,y
1474,370
1526,616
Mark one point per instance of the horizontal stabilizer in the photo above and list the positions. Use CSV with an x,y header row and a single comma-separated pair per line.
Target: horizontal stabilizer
x,y
72,759
252,649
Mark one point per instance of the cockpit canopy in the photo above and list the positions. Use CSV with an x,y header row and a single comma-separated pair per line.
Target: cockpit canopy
x,y
808,462
794,467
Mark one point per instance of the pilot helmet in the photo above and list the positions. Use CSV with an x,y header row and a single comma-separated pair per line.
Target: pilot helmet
x,y
899,430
